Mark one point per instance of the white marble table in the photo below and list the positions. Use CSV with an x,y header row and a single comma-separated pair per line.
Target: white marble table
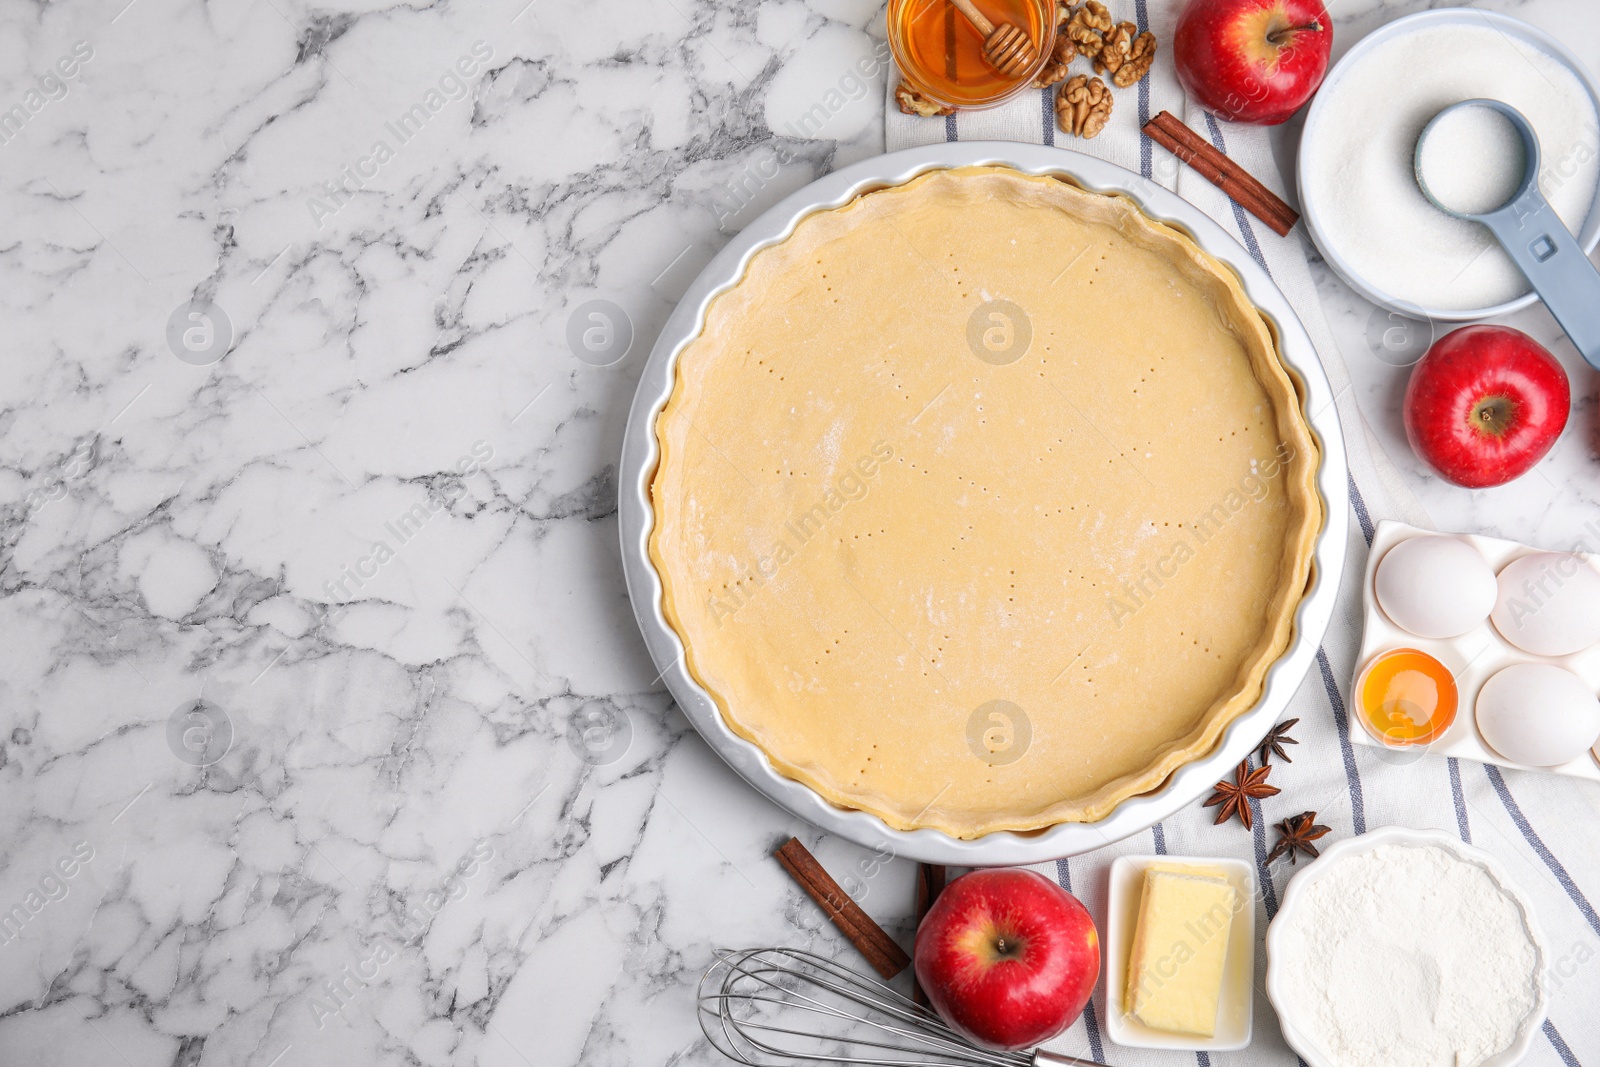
x,y
303,600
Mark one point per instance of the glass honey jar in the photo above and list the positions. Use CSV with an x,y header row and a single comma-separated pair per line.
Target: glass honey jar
x,y
940,53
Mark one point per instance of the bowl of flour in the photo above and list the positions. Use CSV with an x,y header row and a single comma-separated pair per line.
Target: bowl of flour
x,y
1406,948
1356,173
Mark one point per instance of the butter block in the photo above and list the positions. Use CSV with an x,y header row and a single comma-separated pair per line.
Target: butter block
x,y
1179,948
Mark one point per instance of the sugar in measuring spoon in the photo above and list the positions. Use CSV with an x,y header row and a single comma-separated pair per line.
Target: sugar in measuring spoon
x,y
1479,160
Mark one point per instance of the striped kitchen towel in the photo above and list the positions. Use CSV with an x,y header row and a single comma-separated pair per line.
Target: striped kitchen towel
x,y
1545,829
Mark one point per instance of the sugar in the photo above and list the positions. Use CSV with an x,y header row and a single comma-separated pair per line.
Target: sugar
x,y
1360,175
1472,160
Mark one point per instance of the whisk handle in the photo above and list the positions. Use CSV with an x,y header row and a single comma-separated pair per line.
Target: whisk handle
x,y
1041,1058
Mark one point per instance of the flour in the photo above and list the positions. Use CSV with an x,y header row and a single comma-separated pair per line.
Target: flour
x,y
1360,177
1407,956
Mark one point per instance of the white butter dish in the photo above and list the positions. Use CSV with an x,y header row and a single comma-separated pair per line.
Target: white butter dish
x,y
1235,1011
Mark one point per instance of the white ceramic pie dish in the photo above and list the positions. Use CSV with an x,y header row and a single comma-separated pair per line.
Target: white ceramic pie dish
x,y
1283,998
640,454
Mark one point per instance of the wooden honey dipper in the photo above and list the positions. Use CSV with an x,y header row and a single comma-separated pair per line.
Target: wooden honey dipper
x,y
1007,48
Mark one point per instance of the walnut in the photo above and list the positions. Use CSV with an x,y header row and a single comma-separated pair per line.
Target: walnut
x,y
914,103
1083,106
1087,27
1115,48
1061,57
1127,54
1137,65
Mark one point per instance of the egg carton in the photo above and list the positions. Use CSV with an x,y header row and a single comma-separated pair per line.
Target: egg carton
x,y
1473,658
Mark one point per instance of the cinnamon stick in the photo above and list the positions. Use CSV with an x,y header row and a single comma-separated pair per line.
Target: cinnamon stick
x,y
886,957
1224,173
930,883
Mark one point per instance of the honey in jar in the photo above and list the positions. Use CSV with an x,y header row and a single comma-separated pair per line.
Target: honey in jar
x,y
1406,697
940,53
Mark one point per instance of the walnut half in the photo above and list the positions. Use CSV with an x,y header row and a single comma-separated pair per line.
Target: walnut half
x,y
914,103
1126,55
1083,106
1087,27
1061,57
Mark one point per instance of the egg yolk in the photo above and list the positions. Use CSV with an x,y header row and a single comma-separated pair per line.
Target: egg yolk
x,y
1406,697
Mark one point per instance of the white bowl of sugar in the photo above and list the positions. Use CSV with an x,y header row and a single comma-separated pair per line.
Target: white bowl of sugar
x,y
1358,191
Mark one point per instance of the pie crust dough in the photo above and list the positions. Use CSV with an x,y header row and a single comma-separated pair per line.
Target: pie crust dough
x,y
984,502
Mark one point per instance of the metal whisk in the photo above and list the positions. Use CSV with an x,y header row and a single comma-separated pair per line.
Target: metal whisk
x,y
766,1007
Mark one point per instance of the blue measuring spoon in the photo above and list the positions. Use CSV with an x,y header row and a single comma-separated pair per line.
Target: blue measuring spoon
x,y
1530,231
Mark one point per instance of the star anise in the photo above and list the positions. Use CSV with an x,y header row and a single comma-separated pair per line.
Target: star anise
x,y
1235,796
1274,742
1296,835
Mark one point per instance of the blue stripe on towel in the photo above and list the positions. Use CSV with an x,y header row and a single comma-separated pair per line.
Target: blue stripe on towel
x,y
1358,808
1560,1045
1047,97
1159,833
1460,799
1245,229
1269,892
1146,146
1360,505
1537,844
1258,834
1091,1025
950,128
1358,814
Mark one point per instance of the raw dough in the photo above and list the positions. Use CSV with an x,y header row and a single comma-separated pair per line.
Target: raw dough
x,y
958,580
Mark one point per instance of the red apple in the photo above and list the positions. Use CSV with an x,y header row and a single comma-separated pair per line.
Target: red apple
x,y
1485,404
1007,957
1254,61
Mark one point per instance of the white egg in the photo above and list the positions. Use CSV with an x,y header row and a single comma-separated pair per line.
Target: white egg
x,y
1538,714
1435,586
1549,604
